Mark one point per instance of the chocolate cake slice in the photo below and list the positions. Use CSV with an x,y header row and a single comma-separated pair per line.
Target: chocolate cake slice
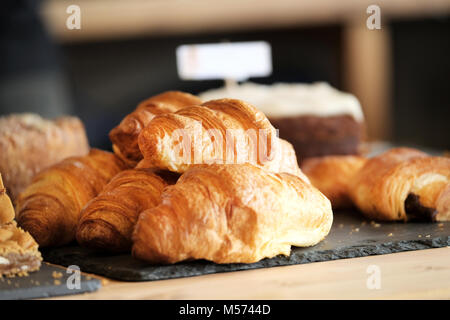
x,y
316,118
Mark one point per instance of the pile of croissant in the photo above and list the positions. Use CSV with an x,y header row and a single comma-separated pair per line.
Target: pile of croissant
x,y
165,209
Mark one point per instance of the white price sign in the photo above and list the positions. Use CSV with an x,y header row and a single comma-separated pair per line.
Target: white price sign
x,y
236,61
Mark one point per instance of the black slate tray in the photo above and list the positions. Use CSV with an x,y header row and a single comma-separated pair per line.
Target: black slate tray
x,y
351,236
42,284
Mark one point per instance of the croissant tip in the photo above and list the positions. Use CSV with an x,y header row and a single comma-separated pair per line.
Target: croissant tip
x,y
101,235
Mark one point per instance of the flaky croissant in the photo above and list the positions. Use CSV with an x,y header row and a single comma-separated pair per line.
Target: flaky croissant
x,y
50,207
403,184
332,175
124,136
225,131
231,214
107,221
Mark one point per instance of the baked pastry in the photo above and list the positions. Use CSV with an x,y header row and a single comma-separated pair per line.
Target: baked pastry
x,y
332,176
6,208
225,131
19,252
231,214
50,206
107,221
29,144
316,118
124,136
403,184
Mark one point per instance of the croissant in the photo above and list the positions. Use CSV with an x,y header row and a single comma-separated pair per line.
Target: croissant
x,y
224,131
107,221
403,184
124,136
50,207
231,214
332,176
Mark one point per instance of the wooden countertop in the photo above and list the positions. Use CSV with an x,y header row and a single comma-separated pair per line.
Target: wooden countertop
x,y
423,274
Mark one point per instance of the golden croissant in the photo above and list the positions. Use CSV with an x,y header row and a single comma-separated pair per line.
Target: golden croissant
x,y
224,131
50,207
332,175
403,184
107,221
232,214
124,136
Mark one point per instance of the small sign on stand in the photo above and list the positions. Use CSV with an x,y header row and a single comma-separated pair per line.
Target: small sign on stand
x,y
231,61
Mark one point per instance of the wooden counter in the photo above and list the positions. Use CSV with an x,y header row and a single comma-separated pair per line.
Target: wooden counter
x,y
423,274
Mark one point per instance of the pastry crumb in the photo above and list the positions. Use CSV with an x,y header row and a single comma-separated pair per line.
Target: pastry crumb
x,y
57,275
57,282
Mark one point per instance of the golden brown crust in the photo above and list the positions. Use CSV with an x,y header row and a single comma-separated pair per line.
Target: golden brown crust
x,y
231,214
50,207
19,252
6,208
107,221
402,184
220,131
29,144
332,176
124,136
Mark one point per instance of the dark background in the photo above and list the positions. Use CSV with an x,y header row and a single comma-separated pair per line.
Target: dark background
x,y
103,81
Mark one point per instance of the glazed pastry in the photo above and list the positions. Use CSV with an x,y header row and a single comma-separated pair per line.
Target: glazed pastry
x,y
107,221
29,144
232,214
124,136
50,207
332,176
403,184
19,252
222,131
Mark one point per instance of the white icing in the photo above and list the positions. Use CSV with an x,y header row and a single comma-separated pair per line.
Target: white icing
x,y
4,261
283,99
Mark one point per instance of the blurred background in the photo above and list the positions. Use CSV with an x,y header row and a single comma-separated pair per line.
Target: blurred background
x,y
125,52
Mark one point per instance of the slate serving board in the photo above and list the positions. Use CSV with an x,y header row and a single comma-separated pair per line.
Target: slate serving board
x,y
42,284
351,236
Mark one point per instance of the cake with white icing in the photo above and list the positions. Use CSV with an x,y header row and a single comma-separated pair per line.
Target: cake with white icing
x,y
316,118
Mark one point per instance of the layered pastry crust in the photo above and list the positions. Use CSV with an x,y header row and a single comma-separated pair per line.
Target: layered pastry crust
x,y
107,221
225,131
232,214
332,175
124,136
403,184
50,206
18,251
